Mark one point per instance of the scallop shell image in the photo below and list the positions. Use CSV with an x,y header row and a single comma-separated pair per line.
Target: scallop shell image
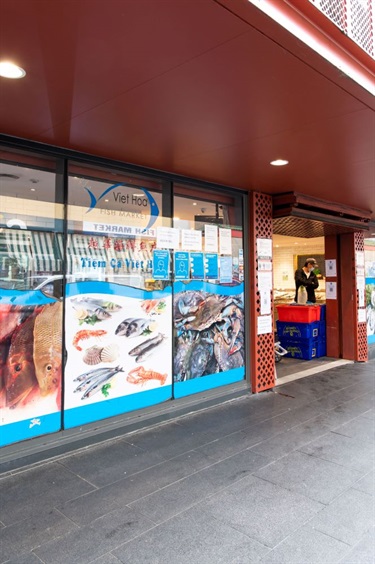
x,y
92,355
109,353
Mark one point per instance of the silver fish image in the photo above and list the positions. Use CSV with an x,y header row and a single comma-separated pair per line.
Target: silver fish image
x,y
95,376
136,327
90,373
99,382
146,348
86,302
122,328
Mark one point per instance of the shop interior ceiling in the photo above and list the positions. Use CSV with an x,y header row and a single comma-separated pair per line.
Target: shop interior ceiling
x,y
213,90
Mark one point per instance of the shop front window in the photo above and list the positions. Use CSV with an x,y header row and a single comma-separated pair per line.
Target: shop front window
x,y
30,296
209,314
118,307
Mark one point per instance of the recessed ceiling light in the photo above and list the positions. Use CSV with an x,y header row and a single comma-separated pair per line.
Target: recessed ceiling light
x,y
194,203
106,200
279,162
32,189
10,70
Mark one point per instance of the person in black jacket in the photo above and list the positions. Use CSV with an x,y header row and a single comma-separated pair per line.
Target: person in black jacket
x,y
305,277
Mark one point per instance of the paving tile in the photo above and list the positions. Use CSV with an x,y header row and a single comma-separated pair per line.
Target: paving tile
x,y
343,450
236,442
363,552
113,461
366,484
168,440
106,559
178,497
27,558
290,440
370,414
261,510
360,428
95,540
86,508
135,486
307,546
26,535
191,537
348,517
24,495
313,477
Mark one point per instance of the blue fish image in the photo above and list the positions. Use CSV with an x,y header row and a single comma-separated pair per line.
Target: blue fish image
x,y
154,210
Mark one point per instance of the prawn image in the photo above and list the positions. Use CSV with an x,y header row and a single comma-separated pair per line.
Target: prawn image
x,y
86,334
140,375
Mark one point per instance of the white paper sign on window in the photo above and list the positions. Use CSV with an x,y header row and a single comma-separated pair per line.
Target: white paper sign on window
x,y
361,316
265,281
265,302
360,258
167,238
264,248
225,240
331,290
331,268
210,238
191,240
264,324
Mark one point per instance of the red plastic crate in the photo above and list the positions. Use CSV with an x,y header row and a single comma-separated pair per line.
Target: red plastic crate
x,y
299,313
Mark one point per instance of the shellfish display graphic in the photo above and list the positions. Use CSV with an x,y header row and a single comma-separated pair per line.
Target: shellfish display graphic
x,y
209,333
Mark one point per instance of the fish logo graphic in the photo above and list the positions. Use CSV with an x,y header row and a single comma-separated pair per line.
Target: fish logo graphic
x,y
154,209
34,422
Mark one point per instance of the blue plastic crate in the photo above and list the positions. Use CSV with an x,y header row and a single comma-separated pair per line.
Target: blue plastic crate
x,y
322,328
321,348
293,331
323,312
299,349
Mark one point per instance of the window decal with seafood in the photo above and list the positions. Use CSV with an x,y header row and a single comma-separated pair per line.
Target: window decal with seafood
x,y
209,336
119,350
30,365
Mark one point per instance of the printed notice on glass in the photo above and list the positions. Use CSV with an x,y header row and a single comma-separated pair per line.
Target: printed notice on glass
x,y
225,239
191,240
264,324
360,258
197,266
331,290
264,248
264,281
264,265
160,264
181,265
361,297
265,302
361,316
331,269
210,238
211,266
167,238
360,282
226,267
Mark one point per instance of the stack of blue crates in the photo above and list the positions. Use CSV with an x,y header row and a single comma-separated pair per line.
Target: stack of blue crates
x,y
303,340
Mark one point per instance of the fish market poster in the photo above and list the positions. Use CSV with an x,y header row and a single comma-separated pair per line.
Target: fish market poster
x,y
119,350
30,365
209,336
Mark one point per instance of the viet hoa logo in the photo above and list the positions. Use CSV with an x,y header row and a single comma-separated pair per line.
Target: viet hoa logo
x,y
154,210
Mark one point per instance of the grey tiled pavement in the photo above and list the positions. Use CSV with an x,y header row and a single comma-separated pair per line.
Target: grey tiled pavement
x,y
281,477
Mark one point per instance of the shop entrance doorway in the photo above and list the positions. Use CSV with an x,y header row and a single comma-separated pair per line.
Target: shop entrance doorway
x,y
305,345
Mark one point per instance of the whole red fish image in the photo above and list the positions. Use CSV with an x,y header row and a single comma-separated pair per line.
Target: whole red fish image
x,y
30,353
20,376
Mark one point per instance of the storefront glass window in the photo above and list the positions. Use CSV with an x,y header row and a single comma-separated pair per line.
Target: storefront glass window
x,y
209,320
369,297
30,296
118,306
